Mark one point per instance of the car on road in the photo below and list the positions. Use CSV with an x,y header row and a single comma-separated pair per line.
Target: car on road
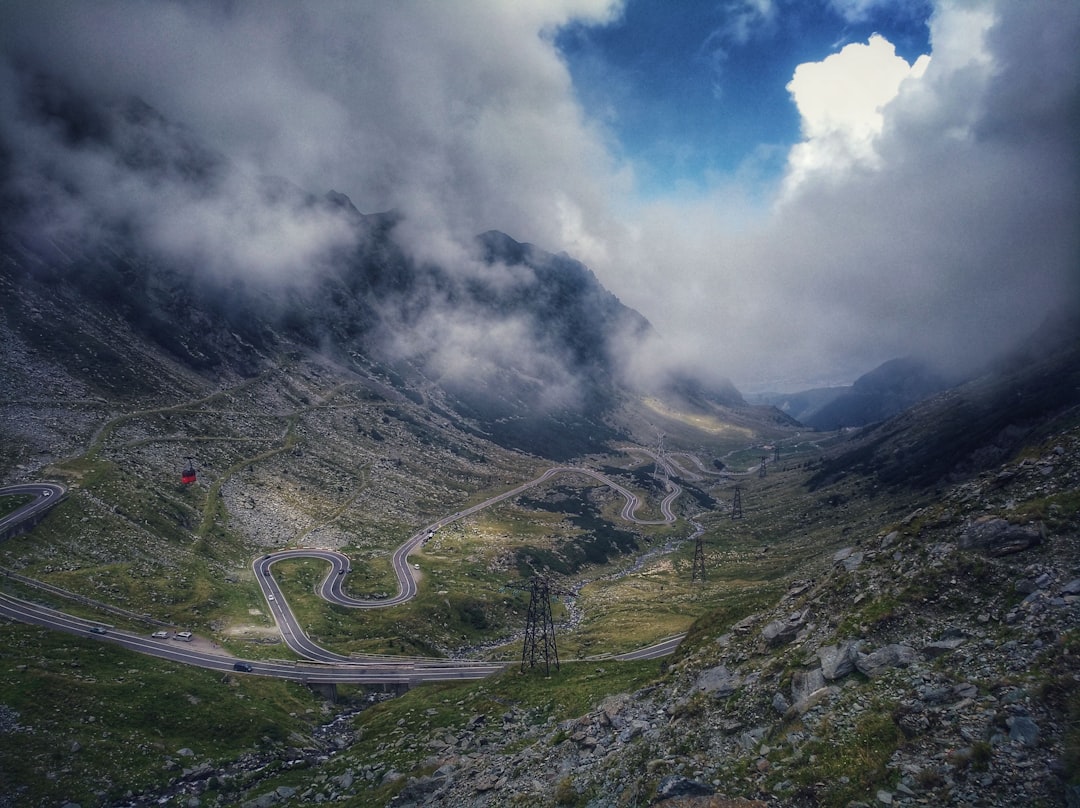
x,y
98,630
242,666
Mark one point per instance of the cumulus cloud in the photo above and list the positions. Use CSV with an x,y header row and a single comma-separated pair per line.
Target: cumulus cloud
x,y
933,214
931,207
841,101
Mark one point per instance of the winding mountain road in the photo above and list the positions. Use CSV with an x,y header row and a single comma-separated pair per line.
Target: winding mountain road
x,y
324,666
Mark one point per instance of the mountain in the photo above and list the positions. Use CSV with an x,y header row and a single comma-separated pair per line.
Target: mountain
x,y
227,272
888,618
883,392
1033,390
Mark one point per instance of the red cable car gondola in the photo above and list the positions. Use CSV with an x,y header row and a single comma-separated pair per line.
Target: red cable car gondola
x,y
188,475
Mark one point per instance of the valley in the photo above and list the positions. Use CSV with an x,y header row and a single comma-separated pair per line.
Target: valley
x,y
842,556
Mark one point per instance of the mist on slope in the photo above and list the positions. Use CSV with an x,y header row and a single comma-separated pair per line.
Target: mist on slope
x,y
935,217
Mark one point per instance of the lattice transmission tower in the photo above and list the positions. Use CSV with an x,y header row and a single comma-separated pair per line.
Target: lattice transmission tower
x,y
539,645
698,573
736,504
762,469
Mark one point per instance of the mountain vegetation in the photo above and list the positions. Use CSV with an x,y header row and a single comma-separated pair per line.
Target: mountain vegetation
x,y
889,616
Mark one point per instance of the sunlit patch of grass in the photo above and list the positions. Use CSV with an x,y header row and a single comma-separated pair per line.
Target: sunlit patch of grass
x,y
709,424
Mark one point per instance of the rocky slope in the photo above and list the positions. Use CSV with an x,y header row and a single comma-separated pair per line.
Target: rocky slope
x,y
930,662
934,664
225,273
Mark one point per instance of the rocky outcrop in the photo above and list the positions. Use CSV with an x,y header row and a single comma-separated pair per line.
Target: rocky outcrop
x,y
998,537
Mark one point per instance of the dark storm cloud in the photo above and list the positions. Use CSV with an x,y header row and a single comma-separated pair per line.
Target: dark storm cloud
x,y
459,116
946,224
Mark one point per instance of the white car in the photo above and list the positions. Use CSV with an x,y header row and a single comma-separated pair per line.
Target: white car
x,y
160,635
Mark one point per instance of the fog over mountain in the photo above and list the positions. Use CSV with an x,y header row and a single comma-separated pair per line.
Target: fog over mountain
x,y
933,215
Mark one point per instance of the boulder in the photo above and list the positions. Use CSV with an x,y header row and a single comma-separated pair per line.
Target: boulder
x,y
837,661
890,656
935,649
675,786
1023,730
719,681
996,537
781,632
804,684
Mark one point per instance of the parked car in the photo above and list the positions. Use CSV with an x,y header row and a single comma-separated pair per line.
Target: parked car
x,y
160,635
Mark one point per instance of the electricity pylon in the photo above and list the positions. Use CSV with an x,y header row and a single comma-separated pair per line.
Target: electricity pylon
x,y
539,642
698,573
736,504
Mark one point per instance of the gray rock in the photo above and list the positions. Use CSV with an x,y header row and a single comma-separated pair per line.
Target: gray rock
x,y
1023,730
995,537
804,684
853,561
417,789
838,661
675,786
1025,586
890,656
780,632
344,780
779,703
941,647
719,681
1071,588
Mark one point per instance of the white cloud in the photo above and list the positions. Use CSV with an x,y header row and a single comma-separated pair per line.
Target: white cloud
x,y
841,101
931,210
860,10
930,207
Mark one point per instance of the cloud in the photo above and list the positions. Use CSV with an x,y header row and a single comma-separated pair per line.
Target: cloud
x,y
929,207
743,19
933,214
461,115
840,102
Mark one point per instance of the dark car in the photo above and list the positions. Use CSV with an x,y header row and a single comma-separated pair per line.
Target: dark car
x,y
242,666
98,629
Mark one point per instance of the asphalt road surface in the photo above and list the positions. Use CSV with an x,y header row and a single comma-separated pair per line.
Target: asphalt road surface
x,y
323,666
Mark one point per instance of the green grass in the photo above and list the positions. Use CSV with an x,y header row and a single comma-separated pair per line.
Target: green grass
x,y
96,721
9,503
844,766
393,734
